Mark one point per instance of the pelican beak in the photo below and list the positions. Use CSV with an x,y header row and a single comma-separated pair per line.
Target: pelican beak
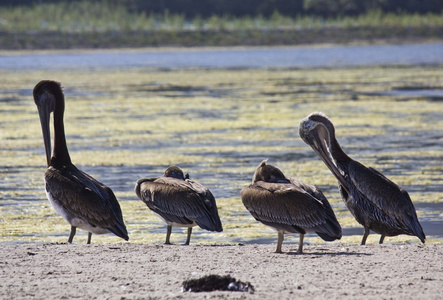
x,y
44,105
318,138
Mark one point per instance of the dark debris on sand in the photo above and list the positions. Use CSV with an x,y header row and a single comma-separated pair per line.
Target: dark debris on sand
x,y
211,283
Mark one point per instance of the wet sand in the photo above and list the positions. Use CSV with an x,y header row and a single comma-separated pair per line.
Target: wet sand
x,y
146,271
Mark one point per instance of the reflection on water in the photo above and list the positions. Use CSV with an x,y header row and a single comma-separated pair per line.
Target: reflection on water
x,y
218,124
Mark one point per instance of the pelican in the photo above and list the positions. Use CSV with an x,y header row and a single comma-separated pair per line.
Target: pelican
x,y
179,201
289,206
81,200
375,201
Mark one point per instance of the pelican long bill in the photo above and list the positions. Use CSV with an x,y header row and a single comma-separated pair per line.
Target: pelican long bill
x,y
320,146
44,112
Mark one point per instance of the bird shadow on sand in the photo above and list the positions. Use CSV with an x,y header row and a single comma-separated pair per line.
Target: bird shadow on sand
x,y
327,253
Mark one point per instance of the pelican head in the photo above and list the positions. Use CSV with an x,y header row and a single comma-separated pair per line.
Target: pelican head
x,y
268,173
45,95
317,131
175,172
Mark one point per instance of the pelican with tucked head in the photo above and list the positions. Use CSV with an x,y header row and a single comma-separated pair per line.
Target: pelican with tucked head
x,y
179,201
289,206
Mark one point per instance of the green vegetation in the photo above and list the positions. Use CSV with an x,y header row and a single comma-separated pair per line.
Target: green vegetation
x,y
104,24
293,8
87,16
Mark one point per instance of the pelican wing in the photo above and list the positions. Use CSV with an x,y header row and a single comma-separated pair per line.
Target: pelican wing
x,y
314,192
386,196
86,198
210,205
180,200
288,204
379,190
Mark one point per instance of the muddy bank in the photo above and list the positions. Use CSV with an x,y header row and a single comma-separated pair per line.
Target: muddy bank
x,y
188,38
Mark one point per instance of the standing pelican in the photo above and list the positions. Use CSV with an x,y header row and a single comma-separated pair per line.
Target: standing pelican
x,y
80,199
289,206
376,202
179,201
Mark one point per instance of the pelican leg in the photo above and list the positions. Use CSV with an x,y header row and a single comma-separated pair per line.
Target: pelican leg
x,y
381,239
365,236
168,235
71,236
281,237
300,245
188,239
89,238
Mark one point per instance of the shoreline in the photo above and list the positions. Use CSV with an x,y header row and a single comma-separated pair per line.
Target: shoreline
x,y
153,49
53,40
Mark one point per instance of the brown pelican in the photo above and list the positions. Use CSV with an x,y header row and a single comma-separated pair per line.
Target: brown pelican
x,y
376,202
179,201
80,199
289,206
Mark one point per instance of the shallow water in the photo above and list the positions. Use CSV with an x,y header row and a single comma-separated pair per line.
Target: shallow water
x,y
125,123
321,56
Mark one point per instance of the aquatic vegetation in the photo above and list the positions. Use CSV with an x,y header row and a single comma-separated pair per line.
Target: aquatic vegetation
x,y
218,125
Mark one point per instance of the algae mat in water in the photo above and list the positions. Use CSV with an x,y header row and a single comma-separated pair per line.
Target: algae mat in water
x,y
218,124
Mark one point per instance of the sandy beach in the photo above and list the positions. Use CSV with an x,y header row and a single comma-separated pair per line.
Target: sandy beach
x,y
146,271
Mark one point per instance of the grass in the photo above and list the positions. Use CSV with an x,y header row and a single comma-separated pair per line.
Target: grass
x,y
101,24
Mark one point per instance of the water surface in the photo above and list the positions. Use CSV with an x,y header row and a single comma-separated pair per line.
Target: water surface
x,y
131,114
321,56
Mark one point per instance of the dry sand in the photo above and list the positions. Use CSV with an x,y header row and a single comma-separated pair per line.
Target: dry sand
x,y
140,271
